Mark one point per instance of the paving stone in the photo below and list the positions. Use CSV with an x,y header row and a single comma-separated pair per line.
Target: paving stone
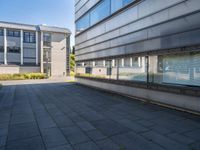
x,y
107,144
109,127
133,125
181,138
34,143
86,126
3,141
63,147
53,137
21,131
96,135
86,146
164,141
134,141
63,121
22,118
46,122
3,131
195,134
75,135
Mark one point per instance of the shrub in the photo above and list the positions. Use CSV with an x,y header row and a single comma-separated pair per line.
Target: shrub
x,y
22,76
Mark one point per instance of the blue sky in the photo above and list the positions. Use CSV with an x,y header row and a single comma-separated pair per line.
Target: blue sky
x,y
50,12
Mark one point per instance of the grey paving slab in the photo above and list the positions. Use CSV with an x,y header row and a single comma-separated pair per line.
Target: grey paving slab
x,y
75,135
21,131
164,141
3,141
63,120
86,146
34,143
109,127
108,144
95,135
53,137
63,147
85,126
41,115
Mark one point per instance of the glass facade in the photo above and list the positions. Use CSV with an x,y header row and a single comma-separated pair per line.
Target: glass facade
x,y
104,9
175,69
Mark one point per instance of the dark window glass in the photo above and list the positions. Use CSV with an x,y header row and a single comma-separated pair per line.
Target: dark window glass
x,y
1,32
100,12
47,39
1,49
29,37
13,49
13,33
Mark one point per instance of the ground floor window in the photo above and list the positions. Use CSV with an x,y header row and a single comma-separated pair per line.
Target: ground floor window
x,y
177,69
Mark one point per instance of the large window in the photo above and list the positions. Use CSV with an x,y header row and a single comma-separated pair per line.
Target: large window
x,y
173,69
29,37
13,33
1,32
99,12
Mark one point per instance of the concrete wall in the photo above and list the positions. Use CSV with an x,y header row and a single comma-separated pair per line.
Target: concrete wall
x,y
18,69
59,56
180,101
146,26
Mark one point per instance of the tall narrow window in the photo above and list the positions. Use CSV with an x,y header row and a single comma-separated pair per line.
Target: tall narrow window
x,y
47,39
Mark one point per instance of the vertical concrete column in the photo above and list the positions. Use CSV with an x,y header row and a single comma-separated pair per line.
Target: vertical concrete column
x,y
131,62
113,63
41,54
36,47
22,47
5,46
122,62
104,63
93,63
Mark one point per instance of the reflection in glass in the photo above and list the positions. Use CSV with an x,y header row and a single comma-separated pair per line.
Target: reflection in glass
x,y
100,12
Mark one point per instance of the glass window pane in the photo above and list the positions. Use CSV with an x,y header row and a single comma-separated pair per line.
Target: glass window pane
x,y
83,23
176,69
126,2
116,5
134,73
100,12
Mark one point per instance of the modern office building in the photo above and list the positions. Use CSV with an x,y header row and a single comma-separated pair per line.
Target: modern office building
x,y
149,49
29,48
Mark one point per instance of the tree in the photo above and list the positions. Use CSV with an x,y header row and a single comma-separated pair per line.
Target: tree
x,y
72,62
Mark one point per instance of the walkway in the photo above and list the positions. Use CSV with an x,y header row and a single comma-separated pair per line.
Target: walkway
x,y
40,115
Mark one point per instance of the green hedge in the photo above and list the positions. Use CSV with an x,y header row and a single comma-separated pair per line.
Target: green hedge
x,y
22,76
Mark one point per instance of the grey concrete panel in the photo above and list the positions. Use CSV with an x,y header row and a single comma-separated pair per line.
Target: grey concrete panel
x,y
13,57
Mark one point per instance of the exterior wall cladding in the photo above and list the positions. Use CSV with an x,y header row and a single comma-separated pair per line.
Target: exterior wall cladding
x,y
149,49
28,49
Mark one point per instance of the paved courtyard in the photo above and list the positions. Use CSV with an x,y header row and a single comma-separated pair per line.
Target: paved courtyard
x,y
42,115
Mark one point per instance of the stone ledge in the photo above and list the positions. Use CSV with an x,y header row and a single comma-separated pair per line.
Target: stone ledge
x,y
185,90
